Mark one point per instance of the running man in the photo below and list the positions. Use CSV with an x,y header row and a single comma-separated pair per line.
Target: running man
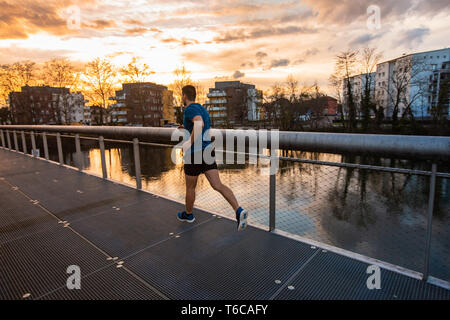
x,y
196,122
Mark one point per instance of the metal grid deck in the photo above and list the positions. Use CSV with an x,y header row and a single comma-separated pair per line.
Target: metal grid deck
x,y
162,258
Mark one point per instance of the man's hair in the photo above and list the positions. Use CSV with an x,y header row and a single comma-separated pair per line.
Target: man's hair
x,y
190,92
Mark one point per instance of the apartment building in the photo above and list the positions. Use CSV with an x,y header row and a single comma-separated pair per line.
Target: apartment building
x,y
440,89
358,85
411,76
46,105
233,102
142,104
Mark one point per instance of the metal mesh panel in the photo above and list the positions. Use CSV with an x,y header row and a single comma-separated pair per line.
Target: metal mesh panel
x,y
111,283
440,238
215,262
380,215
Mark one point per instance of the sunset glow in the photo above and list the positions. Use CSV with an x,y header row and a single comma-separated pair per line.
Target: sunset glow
x,y
264,40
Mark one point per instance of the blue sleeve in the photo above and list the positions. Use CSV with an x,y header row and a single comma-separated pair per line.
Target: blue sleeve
x,y
191,113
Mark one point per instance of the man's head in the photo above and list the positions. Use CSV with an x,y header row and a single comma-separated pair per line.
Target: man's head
x,y
188,94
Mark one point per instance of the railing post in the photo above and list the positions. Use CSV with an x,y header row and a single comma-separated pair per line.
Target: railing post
x,y
44,141
101,142
3,139
272,196
430,221
137,163
8,138
16,145
24,142
78,155
33,144
59,145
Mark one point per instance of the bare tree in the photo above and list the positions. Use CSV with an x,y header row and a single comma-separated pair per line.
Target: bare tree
x,y
182,78
13,77
136,72
61,73
344,68
408,74
369,61
100,82
292,87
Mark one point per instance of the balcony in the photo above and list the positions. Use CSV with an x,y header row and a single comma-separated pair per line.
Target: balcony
x,y
216,94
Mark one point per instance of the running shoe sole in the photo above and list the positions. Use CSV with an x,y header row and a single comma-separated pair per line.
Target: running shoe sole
x,y
243,220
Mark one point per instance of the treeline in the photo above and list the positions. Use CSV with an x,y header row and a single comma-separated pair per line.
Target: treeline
x,y
291,107
97,79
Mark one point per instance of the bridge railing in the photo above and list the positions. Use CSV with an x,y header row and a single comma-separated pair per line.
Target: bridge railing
x,y
377,213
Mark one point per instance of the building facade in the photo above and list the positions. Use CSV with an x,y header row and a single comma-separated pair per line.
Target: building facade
x,y
406,84
142,104
233,102
439,98
358,86
46,105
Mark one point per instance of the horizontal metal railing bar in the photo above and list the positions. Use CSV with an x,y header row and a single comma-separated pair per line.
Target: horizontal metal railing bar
x,y
431,147
318,162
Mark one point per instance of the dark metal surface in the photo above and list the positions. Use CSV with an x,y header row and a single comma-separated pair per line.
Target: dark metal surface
x,y
213,261
161,257
332,276
110,283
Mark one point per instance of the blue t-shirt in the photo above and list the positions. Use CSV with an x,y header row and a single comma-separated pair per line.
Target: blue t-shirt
x,y
193,110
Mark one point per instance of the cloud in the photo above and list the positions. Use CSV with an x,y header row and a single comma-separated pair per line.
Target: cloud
x,y
414,37
364,39
238,75
347,11
279,63
245,34
183,41
260,55
15,53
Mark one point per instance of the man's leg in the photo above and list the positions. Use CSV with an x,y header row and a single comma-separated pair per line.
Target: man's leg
x,y
216,184
191,183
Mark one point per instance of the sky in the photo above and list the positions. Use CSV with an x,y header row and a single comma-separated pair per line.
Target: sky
x,y
260,42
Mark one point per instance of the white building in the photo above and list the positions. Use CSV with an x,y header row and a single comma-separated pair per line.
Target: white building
x,y
405,81
254,103
358,84
72,107
411,74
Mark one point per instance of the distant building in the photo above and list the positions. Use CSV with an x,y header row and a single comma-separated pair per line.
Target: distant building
x,y
440,88
329,106
412,76
420,67
358,85
46,105
233,102
98,116
142,104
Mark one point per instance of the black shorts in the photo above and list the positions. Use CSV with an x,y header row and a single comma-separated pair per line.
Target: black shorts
x,y
193,169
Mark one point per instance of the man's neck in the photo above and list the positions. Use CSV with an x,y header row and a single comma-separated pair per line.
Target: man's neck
x,y
188,103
